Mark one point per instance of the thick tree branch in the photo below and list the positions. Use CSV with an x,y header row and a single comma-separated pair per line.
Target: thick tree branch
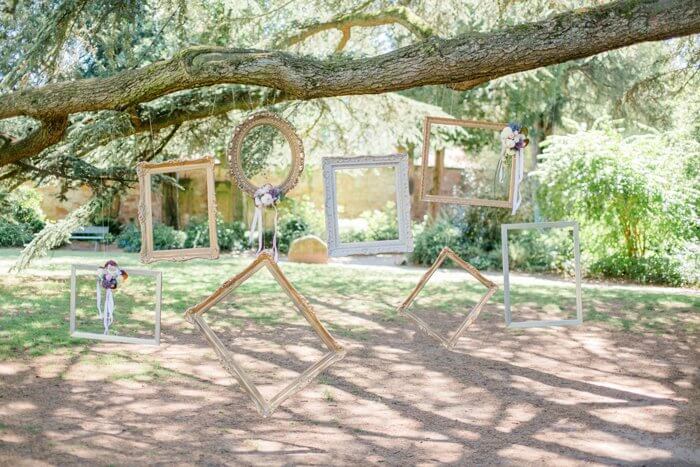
x,y
395,15
471,57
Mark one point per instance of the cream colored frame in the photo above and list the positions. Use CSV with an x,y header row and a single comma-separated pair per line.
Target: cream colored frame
x,y
296,147
145,171
157,275
449,343
263,406
425,196
506,274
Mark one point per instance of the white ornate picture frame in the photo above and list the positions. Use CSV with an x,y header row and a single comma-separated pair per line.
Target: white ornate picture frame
x,y
506,274
404,244
145,171
75,333
468,201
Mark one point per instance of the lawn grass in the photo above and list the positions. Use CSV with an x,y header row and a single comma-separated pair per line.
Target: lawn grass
x,y
34,306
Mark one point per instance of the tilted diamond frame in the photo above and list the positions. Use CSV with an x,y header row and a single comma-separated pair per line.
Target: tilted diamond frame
x,y
449,343
265,407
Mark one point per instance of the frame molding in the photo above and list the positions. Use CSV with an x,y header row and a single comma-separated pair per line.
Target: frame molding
x,y
114,338
506,274
335,351
425,196
450,342
404,244
145,171
296,147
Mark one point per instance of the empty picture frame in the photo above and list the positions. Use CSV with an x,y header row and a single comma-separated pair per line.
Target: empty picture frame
x,y
335,351
449,342
145,171
399,162
88,269
437,198
506,274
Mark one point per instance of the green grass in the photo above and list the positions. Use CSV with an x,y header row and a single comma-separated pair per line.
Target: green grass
x,y
34,307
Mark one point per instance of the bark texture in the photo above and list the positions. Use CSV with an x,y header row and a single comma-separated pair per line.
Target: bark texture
x,y
469,59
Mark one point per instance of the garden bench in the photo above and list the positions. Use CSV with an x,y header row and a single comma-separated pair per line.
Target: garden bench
x,y
92,233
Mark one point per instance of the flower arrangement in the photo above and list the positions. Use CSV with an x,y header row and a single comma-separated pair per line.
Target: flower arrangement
x,y
514,139
108,278
267,195
110,274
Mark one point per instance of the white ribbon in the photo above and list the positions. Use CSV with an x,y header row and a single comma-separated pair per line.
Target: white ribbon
x,y
258,222
108,316
518,160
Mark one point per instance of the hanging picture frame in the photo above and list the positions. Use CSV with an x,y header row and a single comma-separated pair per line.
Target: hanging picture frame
x,y
451,341
397,162
235,147
85,269
145,172
451,199
264,406
505,228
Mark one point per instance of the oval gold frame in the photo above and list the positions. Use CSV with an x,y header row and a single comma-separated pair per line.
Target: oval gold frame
x,y
287,130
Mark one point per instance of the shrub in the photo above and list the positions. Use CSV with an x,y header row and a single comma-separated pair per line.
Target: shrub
x,y
14,234
130,238
22,206
168,238
655,269
535,251
473,233
230,235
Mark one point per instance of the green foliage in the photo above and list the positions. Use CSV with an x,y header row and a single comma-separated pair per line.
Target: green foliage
x,y
230,235
636,198
13,234
129,239
473,233
533,251
22,206
164,238
654,269
381,225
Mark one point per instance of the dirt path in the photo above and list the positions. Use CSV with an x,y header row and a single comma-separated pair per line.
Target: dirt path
x,y
559,396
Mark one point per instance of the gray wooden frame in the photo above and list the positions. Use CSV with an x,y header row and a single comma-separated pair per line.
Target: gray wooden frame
x,y
145,171
404,244
112,338
506,274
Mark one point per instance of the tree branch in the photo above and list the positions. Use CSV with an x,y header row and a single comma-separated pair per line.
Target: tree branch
x,y
469,57
395,15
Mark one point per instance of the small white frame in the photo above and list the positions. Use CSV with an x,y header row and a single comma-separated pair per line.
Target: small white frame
x,y
506,274
109,337
404,244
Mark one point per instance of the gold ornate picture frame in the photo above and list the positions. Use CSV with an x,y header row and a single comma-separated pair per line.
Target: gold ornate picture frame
x,y
265,407
437,198
449,342
145,171
283,126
